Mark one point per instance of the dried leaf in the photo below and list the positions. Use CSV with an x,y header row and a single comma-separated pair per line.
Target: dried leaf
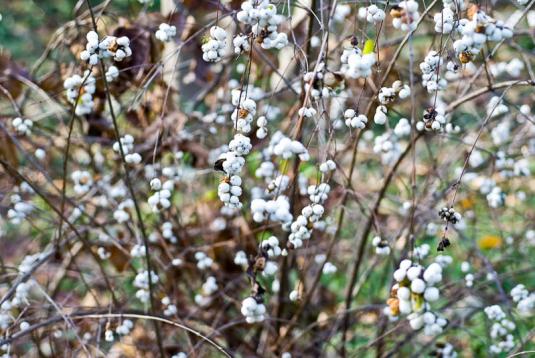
x,y
8,150
118,258
9,71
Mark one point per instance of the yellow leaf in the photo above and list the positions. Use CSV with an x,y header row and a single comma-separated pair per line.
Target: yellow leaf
x,y
283,166
369,46
417,301
210,195
490,242
467,203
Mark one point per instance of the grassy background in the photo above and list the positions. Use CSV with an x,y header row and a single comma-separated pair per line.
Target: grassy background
x,y
26,25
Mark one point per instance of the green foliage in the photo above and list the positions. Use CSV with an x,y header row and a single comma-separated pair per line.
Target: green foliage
x,y
26,25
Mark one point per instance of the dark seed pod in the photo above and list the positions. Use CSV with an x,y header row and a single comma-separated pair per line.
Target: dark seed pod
x,y
443,244
218,165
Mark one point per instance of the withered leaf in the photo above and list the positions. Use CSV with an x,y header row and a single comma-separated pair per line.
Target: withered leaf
x,y
9,71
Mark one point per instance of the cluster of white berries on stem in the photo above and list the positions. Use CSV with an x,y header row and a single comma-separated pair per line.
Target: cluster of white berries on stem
x,y
203,261
449,215
141,282
232,161
320,83
80,92
476,30
165,32
229,191
170,309
271,246
430,72
18,302
23,127
444,350
525,301
127,144
388,146
117,48
275,210
356,64
253,310
352,120
214,47
281,145
413,293
500,331
469,277
263,17
125,327
112,73
405,15
244,110
19,211
82,181
387,95
302,226
209,287
160,200
445,20
381,246
372,14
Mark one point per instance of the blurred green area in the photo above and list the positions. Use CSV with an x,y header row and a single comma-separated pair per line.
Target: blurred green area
x,y
27,25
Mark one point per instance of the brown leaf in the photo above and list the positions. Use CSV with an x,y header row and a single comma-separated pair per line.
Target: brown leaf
x,y
183,27
8,151
144,53
9,71
118,258
198,151
51,82
123,350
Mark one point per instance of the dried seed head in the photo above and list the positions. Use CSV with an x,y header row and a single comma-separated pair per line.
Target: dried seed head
x,y
397,12
113,46
443,244
260,264
465,57
393,304
480,29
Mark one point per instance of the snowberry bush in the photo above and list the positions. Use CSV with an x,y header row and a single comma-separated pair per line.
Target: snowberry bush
x,y
269,178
